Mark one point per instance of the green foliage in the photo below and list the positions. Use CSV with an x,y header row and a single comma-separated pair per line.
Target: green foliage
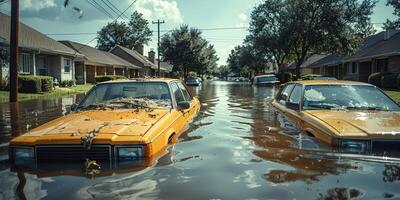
x,y
29,84
188,51
291,29
100,79
393,24
375,78
285,77
4,84
47,83
67,83
389,81
131,35
222,71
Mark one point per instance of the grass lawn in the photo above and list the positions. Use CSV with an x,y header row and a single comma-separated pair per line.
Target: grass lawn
x,y
395,95
56,93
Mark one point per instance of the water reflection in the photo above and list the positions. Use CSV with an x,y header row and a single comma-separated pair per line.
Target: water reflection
x,y
238,147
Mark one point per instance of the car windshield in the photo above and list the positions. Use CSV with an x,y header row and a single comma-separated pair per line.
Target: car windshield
x,y
128,95
354,97
267,78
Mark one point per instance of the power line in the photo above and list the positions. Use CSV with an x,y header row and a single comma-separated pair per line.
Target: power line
x,y
204,29
100,8
133,2
116,8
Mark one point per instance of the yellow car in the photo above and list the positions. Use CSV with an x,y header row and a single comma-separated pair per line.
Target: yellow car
x,y
116,121
351,115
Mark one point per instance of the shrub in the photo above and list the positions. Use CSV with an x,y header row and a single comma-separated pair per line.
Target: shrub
x,y
47,83
375,78
4,84
285,77
389,81
67,83
100,79
29,84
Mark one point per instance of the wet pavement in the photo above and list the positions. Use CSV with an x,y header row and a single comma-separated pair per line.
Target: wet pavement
x,y
238,147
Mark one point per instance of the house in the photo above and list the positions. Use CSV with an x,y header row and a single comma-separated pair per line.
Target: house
x,y
148,66
95,62
38,54
165,68
377,53
307,66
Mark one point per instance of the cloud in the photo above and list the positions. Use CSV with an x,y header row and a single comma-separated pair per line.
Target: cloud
x,y
36,5
160,9
242,20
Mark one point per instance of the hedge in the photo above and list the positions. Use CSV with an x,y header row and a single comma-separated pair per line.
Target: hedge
x,y
398,82
375,78
285,77
389,81
67,83
34,84
100,79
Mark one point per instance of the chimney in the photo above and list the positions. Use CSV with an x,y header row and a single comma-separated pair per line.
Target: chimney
x,y
140,49
386,35
152,56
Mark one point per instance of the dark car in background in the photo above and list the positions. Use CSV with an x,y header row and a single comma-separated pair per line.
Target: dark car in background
x,y
269,79
193,81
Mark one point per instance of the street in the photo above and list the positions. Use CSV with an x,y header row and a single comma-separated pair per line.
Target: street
x,y
238,147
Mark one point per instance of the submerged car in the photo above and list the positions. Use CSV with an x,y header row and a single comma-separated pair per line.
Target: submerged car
x,y
320,78
268,79
193,82
116,121
350,115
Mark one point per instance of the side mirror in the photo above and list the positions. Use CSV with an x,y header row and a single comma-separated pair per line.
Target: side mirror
x,y
293,106
183,105
74,107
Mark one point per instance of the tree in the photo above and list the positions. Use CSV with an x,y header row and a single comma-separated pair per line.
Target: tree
x,y
188,51
297,28
395,23
245,60
131,35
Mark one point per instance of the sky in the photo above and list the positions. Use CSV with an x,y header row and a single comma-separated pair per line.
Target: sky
x,y
50,17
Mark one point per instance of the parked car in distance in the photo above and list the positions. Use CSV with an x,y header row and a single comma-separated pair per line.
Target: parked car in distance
x,y
269,79
116,121
320,78
354,116
193,81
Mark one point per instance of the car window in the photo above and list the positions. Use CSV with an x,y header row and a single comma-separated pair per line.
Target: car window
x,y
295,96
177,93
185,92
285,93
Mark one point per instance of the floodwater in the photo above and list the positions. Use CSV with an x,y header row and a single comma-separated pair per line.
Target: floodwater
x,y
238,147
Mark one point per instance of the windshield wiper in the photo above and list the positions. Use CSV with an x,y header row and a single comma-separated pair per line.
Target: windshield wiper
x,y
365,108
324,106
132,104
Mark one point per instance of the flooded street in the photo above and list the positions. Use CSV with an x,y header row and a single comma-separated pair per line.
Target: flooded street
x,y
238,147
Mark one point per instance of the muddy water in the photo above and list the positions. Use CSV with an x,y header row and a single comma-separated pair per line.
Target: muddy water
x,y
237,148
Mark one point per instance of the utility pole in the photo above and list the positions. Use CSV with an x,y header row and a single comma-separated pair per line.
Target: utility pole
x,y
14,50
158,22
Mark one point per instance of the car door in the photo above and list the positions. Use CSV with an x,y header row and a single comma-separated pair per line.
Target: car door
x,y
295,97
183,115
282,97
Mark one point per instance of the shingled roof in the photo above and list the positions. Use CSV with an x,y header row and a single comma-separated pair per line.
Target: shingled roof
x,y
94,55
29,38
141,58
310,60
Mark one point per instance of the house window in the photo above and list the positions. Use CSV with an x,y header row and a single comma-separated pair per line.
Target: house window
x,y
352,68
67,65
382,65
25,63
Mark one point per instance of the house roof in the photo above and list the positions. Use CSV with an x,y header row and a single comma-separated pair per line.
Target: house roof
x,y
165,66
376,46
308,62
30,38
329,60
141,58
97,56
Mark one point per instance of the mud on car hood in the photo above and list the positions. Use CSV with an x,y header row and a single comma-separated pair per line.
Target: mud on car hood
x,y
370,124
106,124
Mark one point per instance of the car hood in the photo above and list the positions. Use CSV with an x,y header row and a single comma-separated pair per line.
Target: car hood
x,y
375,124
115,122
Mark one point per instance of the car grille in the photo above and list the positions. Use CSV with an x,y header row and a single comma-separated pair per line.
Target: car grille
x,y
73,152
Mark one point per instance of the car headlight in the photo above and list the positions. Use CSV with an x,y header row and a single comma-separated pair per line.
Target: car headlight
x,y
23,155
355,146
130,153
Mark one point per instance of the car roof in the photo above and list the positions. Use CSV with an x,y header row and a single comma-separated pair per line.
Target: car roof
x,y
266,75
329,82
166,80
